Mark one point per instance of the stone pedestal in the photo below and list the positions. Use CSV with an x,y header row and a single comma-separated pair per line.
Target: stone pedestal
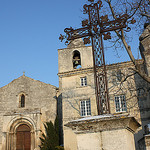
x,y
105,132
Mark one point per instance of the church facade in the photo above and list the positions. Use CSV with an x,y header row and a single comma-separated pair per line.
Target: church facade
x,y
25,104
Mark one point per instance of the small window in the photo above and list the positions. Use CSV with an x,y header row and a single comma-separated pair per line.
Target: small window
x,y
83,81
22,100
120,103
85,107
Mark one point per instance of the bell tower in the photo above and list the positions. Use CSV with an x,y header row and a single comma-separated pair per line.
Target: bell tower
x,y
75,56
76,85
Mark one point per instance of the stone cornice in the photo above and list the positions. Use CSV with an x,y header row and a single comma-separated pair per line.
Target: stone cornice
x,y
90,69
22,111
104,123
75,72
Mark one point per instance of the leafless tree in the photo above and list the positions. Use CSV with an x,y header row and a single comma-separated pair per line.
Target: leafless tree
x,y
138,12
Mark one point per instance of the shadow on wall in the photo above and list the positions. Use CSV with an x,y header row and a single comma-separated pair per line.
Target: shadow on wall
x,y
143,96
59,114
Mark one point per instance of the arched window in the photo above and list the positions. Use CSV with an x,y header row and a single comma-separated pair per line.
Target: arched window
x,y
76,60
22,101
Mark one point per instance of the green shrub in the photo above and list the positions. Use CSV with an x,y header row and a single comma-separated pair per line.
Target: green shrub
x,y
50,140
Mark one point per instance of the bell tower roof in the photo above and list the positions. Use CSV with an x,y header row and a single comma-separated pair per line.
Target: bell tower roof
x,y
76,43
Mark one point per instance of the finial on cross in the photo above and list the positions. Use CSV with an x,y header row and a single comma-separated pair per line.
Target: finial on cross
x,y
23,73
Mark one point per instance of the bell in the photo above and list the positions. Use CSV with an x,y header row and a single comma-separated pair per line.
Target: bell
x,y
76,62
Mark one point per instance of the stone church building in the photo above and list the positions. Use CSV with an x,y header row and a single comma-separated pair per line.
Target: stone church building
x,y
25,104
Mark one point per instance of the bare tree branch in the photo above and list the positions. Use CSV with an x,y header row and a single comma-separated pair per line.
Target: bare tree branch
x,y
145,15
127,47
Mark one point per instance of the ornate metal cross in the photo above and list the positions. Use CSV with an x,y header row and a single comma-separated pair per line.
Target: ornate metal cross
x,y
95,27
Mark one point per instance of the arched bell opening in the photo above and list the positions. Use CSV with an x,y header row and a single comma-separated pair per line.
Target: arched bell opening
x,y
76,59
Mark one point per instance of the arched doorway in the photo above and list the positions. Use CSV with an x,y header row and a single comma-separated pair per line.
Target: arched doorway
x,y
23,137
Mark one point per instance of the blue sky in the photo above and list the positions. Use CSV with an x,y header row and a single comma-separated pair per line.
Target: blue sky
x,y
29,32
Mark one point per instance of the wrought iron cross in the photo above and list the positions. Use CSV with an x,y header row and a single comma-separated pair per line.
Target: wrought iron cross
x,y
95,27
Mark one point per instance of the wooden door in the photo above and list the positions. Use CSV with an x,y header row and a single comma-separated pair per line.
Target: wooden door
x,y
23,139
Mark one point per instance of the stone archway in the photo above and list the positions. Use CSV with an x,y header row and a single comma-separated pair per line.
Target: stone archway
x,y
19,129
23,137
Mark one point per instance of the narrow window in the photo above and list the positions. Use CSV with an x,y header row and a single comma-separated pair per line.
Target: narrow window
x,y
83,81
76,60
85,108
22,102
120,103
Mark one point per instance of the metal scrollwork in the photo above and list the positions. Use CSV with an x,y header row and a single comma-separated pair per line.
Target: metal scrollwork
x,y
87,40
107,36
93,29
85,23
